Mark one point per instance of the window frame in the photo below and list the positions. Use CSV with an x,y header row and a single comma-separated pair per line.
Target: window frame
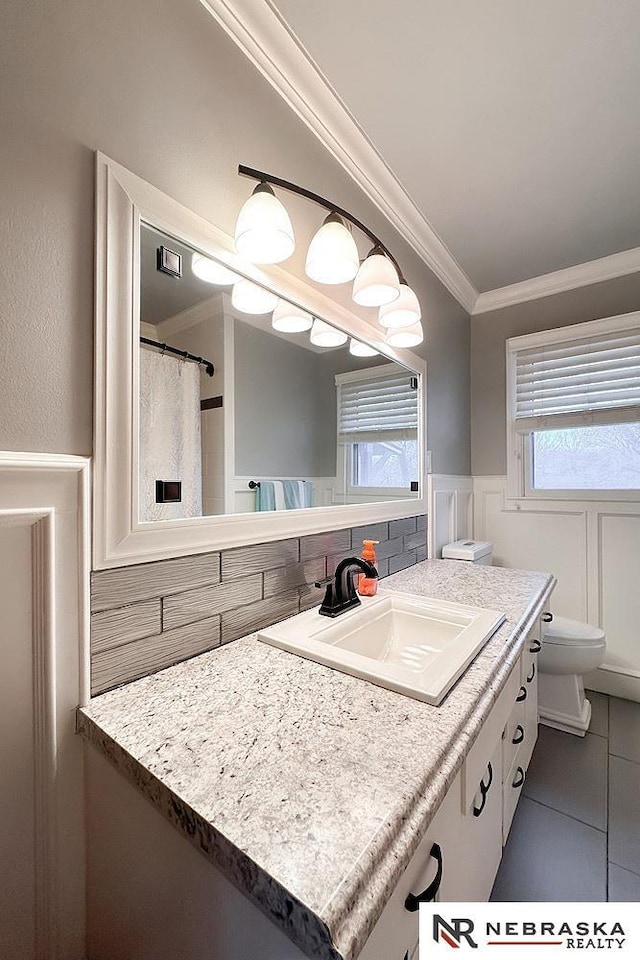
x,y
345,453
520,443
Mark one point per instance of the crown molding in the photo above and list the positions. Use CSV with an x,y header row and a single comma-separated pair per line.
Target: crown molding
x,y
560,281
199,312
263,36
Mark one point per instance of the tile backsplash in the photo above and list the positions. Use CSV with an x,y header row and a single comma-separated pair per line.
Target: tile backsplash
x,y
151,615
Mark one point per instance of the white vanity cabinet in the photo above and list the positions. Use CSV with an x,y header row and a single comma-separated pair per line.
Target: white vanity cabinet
x,y
521,731
430,876
137,862
474,819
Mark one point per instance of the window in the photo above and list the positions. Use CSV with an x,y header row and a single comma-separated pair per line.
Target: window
x,y
574,410
378,429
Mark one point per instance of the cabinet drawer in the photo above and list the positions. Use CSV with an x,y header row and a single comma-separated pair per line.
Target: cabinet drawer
x,y
475,763
515,734
511,794
396,932
480,847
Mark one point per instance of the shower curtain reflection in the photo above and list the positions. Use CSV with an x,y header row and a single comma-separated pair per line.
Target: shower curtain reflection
x,y
170,444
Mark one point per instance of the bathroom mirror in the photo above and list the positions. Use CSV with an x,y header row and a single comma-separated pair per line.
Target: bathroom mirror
x,y
217,425
245,412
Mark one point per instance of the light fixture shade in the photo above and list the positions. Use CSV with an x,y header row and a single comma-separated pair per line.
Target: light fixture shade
x,y
359,349
405,336
332,256
211,271
377,281
324,335
403,312
264,233
248,297
287,318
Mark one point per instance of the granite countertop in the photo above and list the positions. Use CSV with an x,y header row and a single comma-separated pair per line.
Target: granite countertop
x,y
270,763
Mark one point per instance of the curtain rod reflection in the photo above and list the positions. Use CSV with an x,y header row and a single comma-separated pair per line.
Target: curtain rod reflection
x,y
165,348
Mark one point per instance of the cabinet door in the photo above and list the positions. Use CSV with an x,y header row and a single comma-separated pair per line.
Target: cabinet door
x,y
480,849
432,867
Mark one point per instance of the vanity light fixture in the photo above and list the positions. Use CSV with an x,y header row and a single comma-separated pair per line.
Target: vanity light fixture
x,y
403,312
264,233
359,349
377,281
248,297
406,337
287,318
333,256
211,271
324,335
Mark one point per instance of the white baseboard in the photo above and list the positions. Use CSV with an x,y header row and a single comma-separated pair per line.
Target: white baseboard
x,y
614,683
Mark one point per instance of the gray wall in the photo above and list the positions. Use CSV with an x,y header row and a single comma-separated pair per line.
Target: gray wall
x,y
285,404
279,422
159,87
488,368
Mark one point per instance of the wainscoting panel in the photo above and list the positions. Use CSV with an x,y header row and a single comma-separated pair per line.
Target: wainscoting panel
x,y
450,510
592,547
619,589
44,597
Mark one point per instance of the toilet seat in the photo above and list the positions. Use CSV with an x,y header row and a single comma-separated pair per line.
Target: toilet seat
x,y
567,632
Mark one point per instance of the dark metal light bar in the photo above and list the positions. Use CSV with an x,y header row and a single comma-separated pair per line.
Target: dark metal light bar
x,y
323,202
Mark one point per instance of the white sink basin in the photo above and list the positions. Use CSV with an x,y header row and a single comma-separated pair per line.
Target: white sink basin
x,y
410,644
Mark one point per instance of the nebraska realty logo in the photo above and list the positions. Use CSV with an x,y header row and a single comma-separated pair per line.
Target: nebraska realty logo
x,y
540,927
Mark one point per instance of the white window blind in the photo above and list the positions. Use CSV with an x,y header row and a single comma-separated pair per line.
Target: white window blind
x,y
593,380
378,408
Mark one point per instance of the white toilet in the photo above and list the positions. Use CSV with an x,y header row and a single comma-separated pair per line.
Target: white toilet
x,y
570,649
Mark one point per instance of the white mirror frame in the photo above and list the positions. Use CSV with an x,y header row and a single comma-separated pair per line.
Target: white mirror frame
x,y
123,200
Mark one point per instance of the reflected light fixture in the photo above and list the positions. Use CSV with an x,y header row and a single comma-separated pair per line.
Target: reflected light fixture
x,y
248,297
403,312
211,271
405,336
377,281
324,335
264,233
359,349
333,255
287,318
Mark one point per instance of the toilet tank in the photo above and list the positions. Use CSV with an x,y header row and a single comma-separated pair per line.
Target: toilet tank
x,y
475,551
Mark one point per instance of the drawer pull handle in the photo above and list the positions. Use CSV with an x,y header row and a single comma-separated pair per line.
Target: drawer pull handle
x,y
547,617
519,734
484,790
412,903
536,645
519,780
522,695
532,673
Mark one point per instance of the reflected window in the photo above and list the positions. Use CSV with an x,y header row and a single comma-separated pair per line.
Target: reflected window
x,y
378,429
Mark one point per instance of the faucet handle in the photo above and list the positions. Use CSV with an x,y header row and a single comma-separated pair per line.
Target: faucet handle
x,y
324,582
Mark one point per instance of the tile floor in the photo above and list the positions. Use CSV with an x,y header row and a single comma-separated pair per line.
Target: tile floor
x,y
576,833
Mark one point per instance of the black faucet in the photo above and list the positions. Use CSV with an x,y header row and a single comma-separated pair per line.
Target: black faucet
x,y
341,593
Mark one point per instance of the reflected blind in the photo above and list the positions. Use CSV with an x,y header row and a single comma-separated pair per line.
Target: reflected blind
x,y
593,380
369,409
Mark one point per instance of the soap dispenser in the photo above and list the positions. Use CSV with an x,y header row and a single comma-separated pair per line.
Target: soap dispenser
x,y
367,586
